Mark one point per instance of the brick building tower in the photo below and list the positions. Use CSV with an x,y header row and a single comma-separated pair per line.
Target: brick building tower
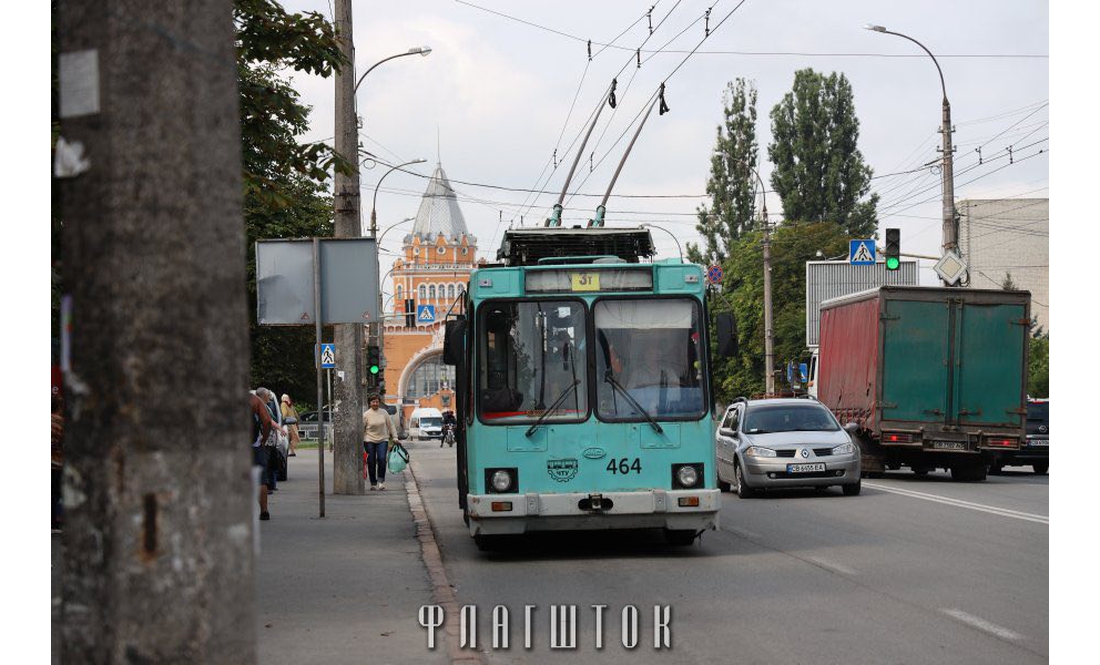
x,y
439,254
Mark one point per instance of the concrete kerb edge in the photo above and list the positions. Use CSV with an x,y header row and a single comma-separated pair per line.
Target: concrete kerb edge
x,y
442,592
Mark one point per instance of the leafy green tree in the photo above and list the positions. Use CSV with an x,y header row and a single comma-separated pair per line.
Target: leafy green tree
x,y
732,181
1038,376
819,171
743,285
284,181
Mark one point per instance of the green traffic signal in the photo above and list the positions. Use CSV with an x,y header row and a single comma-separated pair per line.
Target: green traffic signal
x,y
892,263
374,369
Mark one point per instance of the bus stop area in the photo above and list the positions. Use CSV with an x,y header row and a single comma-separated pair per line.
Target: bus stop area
x,y
345,588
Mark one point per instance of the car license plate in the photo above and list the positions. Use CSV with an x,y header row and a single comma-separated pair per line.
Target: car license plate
x,y
805,468
949,445
1043,443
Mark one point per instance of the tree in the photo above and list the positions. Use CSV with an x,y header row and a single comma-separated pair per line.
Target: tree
x,y
1007,284
819,171
732,181
284,181
1038,375
743,284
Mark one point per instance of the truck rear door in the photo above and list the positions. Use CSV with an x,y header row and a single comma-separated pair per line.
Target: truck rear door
x,y
990,339
915,368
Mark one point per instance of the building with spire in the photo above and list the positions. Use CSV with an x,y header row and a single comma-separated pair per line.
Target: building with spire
x,y
428,282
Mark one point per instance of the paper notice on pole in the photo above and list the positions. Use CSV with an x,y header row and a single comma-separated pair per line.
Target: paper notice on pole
x,y
78,83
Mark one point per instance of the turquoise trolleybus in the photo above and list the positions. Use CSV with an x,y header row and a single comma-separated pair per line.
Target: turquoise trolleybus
x,y
583,389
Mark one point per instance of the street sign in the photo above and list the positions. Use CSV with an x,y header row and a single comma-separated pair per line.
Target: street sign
x,y
714,274
861,252
328,356
950,268
425,313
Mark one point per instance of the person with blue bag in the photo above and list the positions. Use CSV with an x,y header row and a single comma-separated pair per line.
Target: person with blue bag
x,y
378,431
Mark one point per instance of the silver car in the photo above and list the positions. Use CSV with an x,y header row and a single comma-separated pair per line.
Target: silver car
x,y
787,442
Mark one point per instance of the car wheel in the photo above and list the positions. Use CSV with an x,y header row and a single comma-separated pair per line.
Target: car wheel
x,y
743,490
723,486
1040,468
851,489
680,537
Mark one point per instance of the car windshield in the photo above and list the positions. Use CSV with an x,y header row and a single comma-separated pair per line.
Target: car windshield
x,y
532,361
1039,412
789,418
431,422
648,358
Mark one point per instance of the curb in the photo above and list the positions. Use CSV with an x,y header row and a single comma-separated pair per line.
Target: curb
x,y
443,593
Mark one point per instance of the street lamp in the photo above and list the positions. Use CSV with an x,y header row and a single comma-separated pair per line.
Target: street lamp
x,y
649,225
373,216
950,227
769,333
387,229
416,50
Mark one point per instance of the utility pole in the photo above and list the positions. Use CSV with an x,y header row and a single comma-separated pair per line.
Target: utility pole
x,y
769,333
157,542
347,456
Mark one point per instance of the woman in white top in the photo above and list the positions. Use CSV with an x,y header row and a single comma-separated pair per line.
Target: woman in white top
x,y
377,432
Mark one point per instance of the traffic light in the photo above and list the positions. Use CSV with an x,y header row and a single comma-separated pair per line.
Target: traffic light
x,y
381,387
374,364
893,249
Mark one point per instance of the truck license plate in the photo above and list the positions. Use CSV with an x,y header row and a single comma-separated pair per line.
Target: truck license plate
x,y
805,468
949,445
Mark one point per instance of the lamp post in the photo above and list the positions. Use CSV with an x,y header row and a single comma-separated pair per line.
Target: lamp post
x,y
374,202
769,333
950,225
416,50
678,248
387,229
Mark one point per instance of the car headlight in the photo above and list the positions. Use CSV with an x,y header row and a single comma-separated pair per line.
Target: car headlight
x,y
844,449
754,451
687,476
502,481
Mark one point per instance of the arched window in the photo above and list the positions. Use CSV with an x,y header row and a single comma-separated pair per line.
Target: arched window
x,y
450,292
431,292
422,292
400,293
429,377
461,289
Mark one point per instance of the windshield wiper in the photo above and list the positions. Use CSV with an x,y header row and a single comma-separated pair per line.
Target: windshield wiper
x,y
633,402
546,414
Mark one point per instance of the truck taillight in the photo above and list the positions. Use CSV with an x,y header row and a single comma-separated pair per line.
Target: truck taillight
x,y
1003,443
897,437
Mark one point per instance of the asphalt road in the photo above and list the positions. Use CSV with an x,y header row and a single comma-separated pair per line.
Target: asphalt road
x,y
911,571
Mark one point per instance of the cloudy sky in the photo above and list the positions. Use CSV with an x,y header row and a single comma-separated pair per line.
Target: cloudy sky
x,y
508,89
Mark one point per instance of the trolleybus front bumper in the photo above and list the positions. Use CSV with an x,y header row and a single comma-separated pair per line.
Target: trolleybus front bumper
x,y
491,514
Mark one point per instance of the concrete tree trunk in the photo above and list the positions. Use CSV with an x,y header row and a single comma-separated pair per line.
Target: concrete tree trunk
x,y
347,457
158,531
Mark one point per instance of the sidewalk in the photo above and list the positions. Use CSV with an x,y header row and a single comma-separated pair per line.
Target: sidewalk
x,y
345,588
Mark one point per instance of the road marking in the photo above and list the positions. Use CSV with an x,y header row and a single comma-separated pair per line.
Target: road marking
x,y
829,565
1003,512
982,624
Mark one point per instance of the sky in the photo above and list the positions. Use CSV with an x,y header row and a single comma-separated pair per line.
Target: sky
x,y
508,90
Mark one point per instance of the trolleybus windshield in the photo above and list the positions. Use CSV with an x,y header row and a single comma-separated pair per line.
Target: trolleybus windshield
x,y
531,361
648,359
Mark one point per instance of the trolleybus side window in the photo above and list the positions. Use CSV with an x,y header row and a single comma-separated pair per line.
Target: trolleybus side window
x,y
532,361
648,359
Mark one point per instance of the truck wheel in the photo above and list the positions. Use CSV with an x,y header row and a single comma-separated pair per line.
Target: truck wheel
x,y
743,490
1040,468
851,489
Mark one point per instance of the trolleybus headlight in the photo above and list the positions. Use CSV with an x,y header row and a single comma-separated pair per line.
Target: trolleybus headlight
x,y
687,475
502,480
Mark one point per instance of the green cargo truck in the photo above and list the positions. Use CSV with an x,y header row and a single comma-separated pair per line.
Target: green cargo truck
x,y
934,377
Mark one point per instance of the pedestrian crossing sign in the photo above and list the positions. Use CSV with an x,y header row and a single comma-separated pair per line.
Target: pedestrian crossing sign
x,y
425,313
861,252
328,356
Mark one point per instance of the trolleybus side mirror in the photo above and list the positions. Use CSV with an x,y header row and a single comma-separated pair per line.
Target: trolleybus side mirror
x,y
454,338
726,328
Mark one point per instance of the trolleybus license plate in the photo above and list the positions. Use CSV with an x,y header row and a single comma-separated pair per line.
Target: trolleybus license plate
x,y
805,468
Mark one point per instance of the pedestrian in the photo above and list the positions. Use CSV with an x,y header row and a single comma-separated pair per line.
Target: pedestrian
x,y
262,426
378,431
290,419
274,456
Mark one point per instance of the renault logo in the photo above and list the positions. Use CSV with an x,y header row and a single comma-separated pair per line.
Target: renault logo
x,y
805,453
